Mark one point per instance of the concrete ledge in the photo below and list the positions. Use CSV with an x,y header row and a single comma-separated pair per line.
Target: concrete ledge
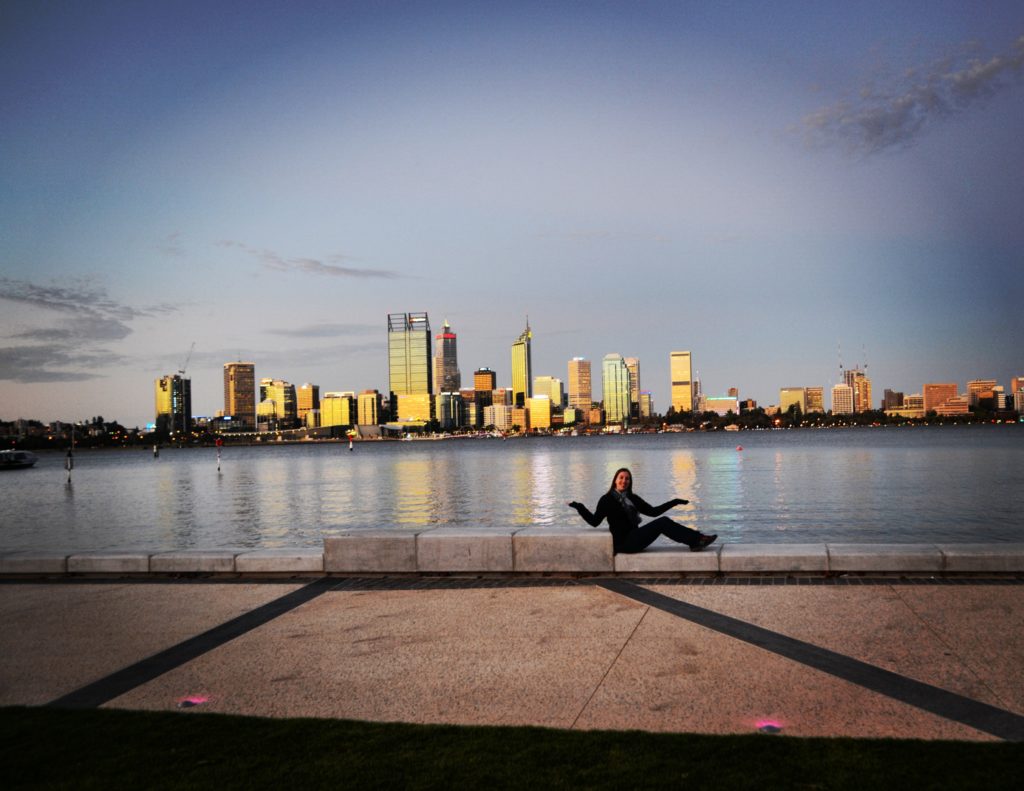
x,y
513,551
112,562
371,551
461,549
34,563
673,560
196,561
910,558
563,549
999,558
274,561
762,558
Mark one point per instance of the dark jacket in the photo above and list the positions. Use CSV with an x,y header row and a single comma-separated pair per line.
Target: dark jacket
x,y
609,507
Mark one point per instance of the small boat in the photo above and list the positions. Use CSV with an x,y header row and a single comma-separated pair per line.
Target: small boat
x,y
17,459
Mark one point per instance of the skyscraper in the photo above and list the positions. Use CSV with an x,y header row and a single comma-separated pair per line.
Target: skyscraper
x,y
173,404
447,378
409,368
633,365
936,394
580,395
240,393
307,398
681,373
615,388
861,386
277,401
842,399
522,370
550,386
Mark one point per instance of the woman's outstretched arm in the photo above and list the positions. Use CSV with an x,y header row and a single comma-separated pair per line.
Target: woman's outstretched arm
x,y
591,519
655,510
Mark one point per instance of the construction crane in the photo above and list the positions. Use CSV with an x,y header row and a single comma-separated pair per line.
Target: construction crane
x,y
188,357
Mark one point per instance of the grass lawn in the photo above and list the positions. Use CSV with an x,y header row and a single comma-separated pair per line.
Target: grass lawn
x,y
47,748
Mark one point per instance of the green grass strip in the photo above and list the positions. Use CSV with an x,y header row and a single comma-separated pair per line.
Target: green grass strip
x,y
51,748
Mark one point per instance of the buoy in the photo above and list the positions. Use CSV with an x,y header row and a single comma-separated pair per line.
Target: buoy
x,y
739,447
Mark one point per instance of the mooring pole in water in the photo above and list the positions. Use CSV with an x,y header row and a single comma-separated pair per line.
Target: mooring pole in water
x,y
220,444
69,463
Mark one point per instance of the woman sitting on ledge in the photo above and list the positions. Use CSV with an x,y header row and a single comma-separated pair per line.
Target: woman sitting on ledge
x,y
622,509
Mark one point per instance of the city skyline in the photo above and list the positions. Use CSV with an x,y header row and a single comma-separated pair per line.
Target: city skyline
x,y
775,189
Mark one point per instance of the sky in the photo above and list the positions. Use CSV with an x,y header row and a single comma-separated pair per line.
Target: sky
x,y
778,188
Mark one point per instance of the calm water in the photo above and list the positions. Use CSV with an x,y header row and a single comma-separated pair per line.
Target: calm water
x,y
955,484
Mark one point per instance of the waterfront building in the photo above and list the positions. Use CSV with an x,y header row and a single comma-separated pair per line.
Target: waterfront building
x,y
409,367
615,388
978,389
954,406
580,395
369,408
815,397
1016,383
915,401
416,407
646,404
551,386
749,405
307,398
240,394
861,385
522,369
633,366
1018,400
722,405
937,393
892,399
173,404
499,416
595,416
501,395
792,396
842,400
681,376
447,378
540,409
520,417
281,396
484,379
338,409
451,412
571,415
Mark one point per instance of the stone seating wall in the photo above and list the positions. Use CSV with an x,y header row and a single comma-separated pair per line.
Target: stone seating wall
x,y
571,551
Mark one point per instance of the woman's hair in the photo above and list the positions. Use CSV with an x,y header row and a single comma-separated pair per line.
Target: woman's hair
x,y
616,475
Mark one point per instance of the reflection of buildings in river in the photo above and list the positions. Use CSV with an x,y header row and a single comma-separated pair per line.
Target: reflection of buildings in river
x,y
684,475
521,487
175,503
542,489
412,489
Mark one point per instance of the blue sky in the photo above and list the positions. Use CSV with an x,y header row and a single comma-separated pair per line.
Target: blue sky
x,y
759,185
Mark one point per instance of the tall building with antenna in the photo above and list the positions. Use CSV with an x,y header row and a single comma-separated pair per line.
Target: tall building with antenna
x,y
447,378
522,369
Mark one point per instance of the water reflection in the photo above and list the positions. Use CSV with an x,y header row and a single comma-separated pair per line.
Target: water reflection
x,y
798,487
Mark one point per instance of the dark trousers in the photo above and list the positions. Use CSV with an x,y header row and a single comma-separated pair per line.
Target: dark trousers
x,y
641,538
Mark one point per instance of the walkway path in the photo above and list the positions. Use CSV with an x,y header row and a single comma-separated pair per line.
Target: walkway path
x,y
934,659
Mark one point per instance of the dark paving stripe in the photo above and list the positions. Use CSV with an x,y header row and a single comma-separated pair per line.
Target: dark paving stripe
x,y
122,681
981,716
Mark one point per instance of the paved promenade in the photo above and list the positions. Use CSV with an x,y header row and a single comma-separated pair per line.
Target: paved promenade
x,y
806,656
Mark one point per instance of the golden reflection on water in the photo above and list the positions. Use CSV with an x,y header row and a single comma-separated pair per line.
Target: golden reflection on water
x,y
412,487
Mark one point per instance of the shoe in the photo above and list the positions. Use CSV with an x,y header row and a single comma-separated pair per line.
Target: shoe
x,y
703,542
